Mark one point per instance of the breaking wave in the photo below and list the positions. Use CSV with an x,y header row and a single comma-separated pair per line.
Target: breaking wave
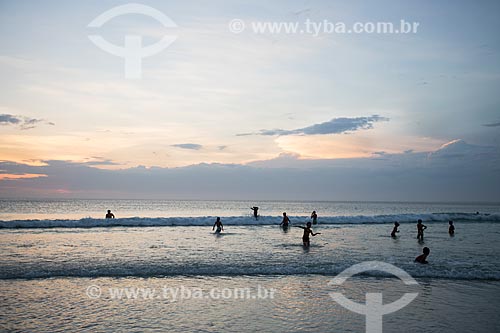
x,y
244,220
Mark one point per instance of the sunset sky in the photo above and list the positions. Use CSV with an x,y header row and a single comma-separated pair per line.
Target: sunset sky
x,y
248,100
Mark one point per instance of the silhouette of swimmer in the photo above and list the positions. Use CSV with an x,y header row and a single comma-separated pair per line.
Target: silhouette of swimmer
x,y
395,230
285,221
255,212
314,217
307,231
420,230
451,229
219,226
421,258
110,215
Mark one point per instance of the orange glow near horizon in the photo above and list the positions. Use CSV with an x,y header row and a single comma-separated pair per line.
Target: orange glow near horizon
x,y
357,145
123,152
7,176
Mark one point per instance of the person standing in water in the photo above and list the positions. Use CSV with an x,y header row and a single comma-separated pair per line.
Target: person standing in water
x,y
451,229
255,211
307,231
395,230
285,221
110,215
219,226
314,217
420,230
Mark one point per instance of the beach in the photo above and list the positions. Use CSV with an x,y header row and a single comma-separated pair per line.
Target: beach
x,y
50,275
301,303
249,166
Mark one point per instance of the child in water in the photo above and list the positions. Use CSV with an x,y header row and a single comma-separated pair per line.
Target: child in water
x,y
255,212
285,221
451,229
420,230
307,231
395,230
110,215
219,226
421,258
314,217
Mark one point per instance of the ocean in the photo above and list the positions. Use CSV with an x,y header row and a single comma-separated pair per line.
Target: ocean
x,y
158,266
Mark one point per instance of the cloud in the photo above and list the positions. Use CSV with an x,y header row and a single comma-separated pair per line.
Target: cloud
x,y
4,176
100,161
190,146
460,149
30,123
7,119
406,177
379,153
334,126
492,125
23,122
221,147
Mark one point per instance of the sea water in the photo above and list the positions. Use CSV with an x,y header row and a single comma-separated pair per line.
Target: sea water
x,y
62,267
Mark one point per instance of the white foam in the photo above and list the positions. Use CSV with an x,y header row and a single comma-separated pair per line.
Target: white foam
x,y
244,220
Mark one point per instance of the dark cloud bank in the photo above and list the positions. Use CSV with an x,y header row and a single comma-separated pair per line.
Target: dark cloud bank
x,y
457,172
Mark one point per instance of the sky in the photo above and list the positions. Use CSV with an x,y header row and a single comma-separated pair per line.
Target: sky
x,y
252,115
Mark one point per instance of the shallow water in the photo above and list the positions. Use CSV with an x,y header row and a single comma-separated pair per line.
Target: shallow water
x,y
246,250
301,303
46,273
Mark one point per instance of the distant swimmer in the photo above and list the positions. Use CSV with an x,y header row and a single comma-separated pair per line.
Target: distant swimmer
x,y
422,258
110,215
219,226
285,221
395,230
308,231
451,228
314,217
255,212
420,230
